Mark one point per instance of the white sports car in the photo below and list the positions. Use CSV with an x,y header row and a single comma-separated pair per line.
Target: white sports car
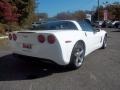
x,y
65,42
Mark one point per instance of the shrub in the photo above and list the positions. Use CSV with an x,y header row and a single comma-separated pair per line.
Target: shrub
x,y
2,29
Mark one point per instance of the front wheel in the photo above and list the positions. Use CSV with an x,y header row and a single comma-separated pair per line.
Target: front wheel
x,y
104,45
119,26
77,56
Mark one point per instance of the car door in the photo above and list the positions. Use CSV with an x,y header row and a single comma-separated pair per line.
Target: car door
x,y
95,34
92,38
98,36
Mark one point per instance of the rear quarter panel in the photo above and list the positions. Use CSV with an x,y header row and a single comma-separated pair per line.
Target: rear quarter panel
x,y
67,40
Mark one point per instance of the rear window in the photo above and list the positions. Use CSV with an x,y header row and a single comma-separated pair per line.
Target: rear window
x,y
61,25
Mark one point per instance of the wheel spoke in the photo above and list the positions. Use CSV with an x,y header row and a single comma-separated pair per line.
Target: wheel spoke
x,y
81,52
80,58
78,53
78,61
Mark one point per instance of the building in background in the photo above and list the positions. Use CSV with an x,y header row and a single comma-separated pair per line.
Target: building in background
x,y
105,15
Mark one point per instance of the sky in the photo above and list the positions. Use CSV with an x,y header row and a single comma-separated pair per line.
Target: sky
x,y
52,7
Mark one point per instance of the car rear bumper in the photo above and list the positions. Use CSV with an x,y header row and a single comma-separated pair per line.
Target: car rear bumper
x,y
52,54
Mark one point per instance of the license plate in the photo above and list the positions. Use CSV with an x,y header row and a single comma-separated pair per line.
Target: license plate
x,y
27,46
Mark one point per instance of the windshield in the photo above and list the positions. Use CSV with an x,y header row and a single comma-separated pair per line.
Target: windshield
x,y
60,25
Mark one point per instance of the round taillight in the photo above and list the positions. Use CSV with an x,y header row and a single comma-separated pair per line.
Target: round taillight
x,y
51,39
14,37
41,38
10,37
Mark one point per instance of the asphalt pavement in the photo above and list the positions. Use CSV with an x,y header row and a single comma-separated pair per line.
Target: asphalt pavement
x,y
100,71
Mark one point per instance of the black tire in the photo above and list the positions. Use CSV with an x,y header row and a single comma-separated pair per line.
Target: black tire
x,y
77,56
119,26
104,42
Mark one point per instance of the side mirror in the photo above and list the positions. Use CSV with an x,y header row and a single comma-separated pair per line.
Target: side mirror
x,y
97,29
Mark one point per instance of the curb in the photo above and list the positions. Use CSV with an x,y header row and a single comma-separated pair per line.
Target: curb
x,y
4,37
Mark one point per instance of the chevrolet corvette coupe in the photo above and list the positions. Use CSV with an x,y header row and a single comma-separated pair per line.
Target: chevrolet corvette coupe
x,y
65,42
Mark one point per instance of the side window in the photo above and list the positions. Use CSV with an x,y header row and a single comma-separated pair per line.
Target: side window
x,y
89,27
83,25
86,26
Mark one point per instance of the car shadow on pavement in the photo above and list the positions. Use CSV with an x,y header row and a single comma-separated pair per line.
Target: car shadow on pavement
x,y
12,68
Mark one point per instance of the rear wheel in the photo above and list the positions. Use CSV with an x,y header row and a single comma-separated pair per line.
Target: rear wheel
x,y
77,56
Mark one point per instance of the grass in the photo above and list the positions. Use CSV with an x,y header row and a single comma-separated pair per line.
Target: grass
x,y
4,44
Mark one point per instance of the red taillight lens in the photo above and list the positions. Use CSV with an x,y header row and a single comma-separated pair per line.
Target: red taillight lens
x,y
51,39
41,38
14,37
10,37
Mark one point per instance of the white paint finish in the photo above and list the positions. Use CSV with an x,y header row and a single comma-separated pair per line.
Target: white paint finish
x,y
60,52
